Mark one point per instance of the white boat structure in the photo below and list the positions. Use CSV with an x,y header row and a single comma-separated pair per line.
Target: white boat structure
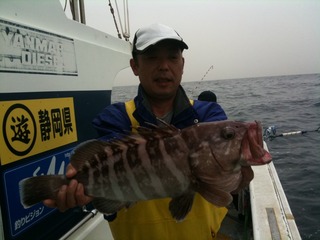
x,y
56,74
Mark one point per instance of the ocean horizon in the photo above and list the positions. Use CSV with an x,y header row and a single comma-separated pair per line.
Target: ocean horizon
x,y
290,103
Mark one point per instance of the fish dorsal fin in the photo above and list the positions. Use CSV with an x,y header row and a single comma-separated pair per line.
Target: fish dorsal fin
x,y
86,151
157,132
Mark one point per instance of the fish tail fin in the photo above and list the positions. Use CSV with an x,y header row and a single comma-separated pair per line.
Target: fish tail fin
x,y
36,189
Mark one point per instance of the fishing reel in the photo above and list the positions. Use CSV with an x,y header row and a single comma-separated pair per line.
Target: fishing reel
x,y
270,133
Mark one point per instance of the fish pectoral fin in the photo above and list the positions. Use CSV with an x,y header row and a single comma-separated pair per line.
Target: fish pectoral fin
x,y
214,195
108,206
181,206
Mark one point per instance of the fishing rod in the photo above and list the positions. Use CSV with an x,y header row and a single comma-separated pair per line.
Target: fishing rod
x,y
270,133
209,69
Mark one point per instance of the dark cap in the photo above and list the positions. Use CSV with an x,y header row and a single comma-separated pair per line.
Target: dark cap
x,y
207,96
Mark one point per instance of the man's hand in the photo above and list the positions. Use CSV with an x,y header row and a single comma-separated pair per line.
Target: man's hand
x,y
69,196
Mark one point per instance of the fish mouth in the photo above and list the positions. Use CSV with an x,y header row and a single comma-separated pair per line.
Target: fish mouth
x,y
252,149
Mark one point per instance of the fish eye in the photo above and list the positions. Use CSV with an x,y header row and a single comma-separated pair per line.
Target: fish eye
x,y
228,133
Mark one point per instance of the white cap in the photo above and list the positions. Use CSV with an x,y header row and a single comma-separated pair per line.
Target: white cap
x,y
151,35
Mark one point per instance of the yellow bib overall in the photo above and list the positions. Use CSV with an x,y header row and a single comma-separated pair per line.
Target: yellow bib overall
x,y
152,220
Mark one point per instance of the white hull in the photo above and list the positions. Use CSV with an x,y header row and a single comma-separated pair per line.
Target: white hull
x,y
271,214
91,59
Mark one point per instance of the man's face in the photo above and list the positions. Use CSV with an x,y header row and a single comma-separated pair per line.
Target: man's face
x,y
160,69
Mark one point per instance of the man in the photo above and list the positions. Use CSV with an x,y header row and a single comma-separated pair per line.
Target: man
x,y
158,62
207,96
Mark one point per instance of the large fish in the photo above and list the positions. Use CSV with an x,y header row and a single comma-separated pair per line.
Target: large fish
x,y
212,159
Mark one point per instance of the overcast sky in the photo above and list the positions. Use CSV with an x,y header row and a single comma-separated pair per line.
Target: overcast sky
x,y
243,38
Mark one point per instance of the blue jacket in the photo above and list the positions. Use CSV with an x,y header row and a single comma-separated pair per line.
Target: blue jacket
x,y
114,121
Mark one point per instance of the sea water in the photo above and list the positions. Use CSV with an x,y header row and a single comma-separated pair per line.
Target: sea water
x,y
290,103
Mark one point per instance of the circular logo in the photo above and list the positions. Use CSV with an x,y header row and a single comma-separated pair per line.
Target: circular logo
x,y
19,129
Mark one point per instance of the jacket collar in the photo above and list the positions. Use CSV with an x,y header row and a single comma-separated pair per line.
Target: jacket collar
x,y
183,112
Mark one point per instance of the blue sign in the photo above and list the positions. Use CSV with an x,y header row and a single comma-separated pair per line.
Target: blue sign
x,y
20,218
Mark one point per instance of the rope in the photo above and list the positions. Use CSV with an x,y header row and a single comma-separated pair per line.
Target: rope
x,y
126,31
114,19
65,5
270,133
119,15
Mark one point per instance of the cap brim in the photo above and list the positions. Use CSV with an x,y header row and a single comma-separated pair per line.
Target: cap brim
x,y
154,41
